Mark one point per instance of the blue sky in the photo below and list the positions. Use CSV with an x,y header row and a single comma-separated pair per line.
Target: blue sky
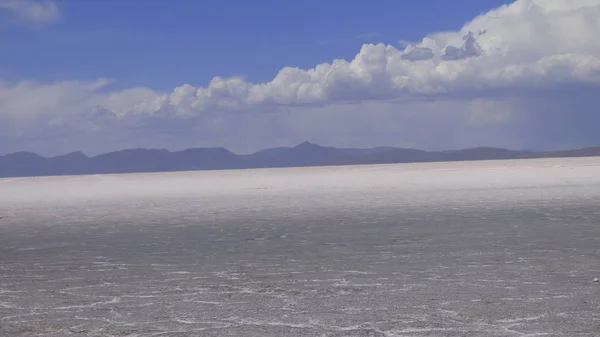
x,y
101,75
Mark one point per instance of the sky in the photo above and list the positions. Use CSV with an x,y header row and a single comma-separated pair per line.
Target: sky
x,y
98,76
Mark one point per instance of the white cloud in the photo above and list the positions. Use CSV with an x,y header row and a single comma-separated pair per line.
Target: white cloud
x,y
482,73
30,99
40,11
529,44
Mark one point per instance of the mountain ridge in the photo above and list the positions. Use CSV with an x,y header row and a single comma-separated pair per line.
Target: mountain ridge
x,y
138,160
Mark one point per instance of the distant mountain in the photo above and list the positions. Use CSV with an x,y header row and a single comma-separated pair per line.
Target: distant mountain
x,y
148,160
267,153
585,152
22,164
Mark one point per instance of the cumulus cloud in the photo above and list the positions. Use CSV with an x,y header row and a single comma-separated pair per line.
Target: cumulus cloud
x,y
42,11
527,45
489,73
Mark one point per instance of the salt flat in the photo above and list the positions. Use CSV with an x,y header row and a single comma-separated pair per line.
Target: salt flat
x,y
498,248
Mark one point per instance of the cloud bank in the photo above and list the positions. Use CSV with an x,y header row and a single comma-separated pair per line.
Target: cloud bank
x,y
505,73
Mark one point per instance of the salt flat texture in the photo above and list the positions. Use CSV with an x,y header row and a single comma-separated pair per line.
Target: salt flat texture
x,y
498,248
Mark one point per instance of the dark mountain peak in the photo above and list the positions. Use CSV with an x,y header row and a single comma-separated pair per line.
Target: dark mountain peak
x,y
73,155
143,150
207,150
303,154
485,148
23,155
133,152
307,145
269,152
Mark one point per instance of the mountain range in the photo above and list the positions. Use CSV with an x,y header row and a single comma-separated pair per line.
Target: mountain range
x,y
23,164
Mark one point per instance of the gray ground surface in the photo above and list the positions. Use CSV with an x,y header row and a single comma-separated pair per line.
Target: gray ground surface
x,y
473,253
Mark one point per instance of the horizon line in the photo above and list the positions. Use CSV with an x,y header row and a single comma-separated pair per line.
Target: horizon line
x,y
291,147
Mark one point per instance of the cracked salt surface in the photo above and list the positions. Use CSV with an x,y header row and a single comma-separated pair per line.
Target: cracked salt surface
x,y
504,248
